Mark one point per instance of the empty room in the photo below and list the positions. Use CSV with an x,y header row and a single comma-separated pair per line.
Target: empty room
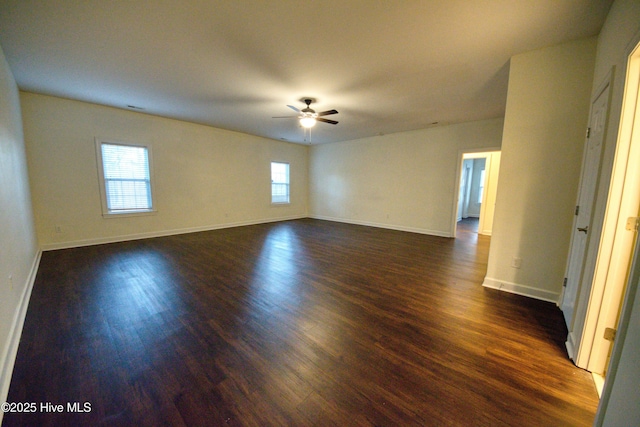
x,y
313,213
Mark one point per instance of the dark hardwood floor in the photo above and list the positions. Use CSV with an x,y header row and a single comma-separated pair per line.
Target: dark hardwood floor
x,y
303,323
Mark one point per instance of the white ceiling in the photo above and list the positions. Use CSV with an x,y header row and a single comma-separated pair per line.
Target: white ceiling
x,y
386,66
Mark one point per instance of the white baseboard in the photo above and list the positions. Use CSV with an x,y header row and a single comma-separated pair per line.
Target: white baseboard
x,y
10,349
387,226
523,290
138,236
571,348
598,381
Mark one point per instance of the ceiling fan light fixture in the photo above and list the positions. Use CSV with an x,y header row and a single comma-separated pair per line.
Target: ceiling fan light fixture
x,y
307,117
307,122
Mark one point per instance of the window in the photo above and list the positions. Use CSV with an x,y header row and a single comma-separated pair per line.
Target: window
x,y
125,176
279,182
481,189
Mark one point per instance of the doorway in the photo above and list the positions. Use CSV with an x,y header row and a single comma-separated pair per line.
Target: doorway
x,y
477,188
602,297
471,187
584,230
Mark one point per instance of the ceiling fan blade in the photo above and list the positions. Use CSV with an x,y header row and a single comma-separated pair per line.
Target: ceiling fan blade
x,y
294,108
326,113
331,122
284,117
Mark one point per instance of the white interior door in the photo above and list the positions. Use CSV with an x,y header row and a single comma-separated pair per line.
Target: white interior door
x,y
584,208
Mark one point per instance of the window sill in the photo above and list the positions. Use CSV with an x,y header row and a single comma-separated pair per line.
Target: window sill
x,y
280,203
127,214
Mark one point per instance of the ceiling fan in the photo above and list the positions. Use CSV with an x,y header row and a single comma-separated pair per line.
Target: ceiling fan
x,y
308,117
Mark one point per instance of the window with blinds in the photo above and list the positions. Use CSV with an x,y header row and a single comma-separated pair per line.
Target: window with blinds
x,y
279,182
126,178
481,188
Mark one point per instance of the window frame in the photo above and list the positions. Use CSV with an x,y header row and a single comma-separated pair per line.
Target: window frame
x,y
288,183
109,213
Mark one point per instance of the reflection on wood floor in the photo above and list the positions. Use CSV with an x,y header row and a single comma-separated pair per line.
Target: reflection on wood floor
x,y
469,224
305,323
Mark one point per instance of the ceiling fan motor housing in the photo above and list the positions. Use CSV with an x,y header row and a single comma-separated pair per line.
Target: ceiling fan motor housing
x,y
308,109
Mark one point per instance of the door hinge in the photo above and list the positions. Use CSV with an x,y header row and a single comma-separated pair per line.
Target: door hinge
x,y
577,210
632,223
609,334
588,132
564,283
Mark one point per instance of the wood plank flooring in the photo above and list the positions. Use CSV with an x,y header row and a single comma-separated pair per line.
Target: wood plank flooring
x,y
302,323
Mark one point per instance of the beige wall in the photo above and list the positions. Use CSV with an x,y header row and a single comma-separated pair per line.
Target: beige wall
x,y
18,246
544,130
405,181
205,177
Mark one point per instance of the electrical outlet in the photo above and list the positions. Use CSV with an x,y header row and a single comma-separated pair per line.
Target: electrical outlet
x,y
516,262
58,229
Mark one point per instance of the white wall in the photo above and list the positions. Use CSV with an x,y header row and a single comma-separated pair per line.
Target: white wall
x,y
205,177
405,181
546,117
18,247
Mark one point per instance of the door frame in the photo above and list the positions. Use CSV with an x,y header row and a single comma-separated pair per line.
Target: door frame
x,y
585,274
616,244
620,387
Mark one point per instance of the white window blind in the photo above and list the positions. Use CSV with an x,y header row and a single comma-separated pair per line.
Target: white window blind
x,y
127,182
481,189
279,182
